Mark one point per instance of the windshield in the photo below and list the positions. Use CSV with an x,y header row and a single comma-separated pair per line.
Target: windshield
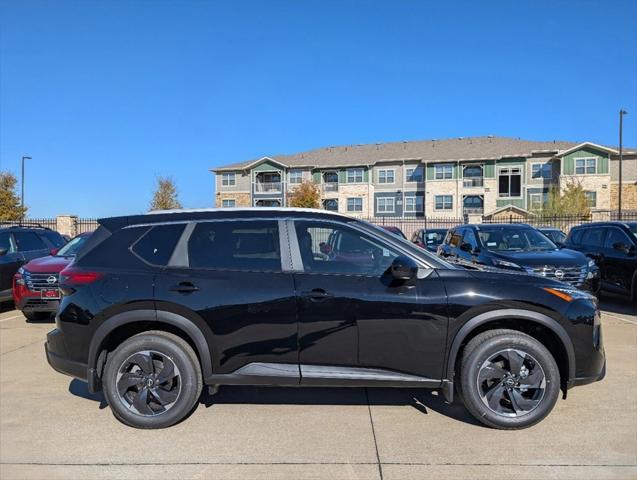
x,y
507,239
434,238
71,248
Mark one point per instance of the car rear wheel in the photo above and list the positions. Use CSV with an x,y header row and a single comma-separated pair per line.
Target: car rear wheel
x,y
509,380
152,380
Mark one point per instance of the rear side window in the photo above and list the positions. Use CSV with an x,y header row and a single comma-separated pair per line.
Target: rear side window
x,y
593,237
235,245
158,243
27,241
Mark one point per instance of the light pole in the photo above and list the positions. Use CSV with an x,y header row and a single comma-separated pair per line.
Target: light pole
x,y
622,112
24,157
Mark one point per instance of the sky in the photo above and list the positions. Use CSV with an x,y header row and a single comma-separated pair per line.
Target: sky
x,y
107,95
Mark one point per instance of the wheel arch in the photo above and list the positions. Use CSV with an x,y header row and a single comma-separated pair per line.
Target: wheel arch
x,y
136,321
516,319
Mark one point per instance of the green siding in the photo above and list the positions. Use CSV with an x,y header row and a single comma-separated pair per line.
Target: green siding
x,y
517,202
568,161
266,166
489,169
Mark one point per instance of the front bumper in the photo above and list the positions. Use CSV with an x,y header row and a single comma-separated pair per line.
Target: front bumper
x,y
57,357
36,304
577,381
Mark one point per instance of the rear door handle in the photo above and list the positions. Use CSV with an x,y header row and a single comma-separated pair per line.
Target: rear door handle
x,y
184,287
317,294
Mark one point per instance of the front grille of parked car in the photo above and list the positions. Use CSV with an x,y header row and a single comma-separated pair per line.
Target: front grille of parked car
x,y
573,275
40,281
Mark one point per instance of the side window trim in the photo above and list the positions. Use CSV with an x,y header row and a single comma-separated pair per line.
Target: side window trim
x,y
179,258
296,263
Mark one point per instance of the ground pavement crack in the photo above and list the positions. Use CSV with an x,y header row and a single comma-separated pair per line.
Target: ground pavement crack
x,y
371,420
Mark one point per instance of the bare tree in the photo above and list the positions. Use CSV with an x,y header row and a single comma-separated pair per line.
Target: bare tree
x,y
165,196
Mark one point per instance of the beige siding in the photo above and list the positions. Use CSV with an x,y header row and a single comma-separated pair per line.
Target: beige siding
x,y
629,169
242,182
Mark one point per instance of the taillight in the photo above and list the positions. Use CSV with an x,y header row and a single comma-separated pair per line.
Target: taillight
x,y
74,277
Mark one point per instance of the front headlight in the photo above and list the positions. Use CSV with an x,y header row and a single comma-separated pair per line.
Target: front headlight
x,y
504,264
21,271
591,263
568,294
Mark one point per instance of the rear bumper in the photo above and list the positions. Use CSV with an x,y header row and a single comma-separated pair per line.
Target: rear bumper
x,y
57,357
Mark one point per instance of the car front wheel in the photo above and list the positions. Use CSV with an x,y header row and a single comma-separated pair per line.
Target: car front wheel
x,y
152,380
509,380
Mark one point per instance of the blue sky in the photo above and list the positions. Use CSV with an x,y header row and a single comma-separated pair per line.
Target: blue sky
x,y
106,95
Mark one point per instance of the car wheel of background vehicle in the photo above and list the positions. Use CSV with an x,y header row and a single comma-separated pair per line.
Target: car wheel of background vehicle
x,y
152,380
37,316
509,380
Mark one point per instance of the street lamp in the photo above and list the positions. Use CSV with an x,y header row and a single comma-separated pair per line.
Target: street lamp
x,y
24,157
622,112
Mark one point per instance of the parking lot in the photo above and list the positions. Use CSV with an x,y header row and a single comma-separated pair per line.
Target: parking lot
x,y
50,427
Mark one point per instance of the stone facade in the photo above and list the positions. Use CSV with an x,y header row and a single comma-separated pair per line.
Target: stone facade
x,y
594,183
242,199
629,196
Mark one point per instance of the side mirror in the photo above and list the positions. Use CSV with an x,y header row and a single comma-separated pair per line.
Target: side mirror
x,y
3,251
559,244
621,247
54,251
404,268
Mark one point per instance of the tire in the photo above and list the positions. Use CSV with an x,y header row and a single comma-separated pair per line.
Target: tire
x,y
508,379
170,395
37,316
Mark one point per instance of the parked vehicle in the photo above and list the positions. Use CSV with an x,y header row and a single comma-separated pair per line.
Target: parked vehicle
x,y
35,284
155,306
429,238
394,230
522,248
556,235
613,247
19,245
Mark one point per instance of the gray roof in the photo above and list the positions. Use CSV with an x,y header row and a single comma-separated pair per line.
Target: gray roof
x,y
467,148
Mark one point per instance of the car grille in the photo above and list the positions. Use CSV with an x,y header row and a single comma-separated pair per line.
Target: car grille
x,y
573,275
39,281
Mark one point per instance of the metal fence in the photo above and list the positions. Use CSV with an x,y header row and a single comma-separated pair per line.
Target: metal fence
x,y
86,225
31,222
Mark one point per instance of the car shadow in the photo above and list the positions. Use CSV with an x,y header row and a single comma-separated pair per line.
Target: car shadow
x,y
621,304
80,389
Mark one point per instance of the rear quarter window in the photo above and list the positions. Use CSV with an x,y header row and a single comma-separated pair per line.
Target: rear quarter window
x,y
157,244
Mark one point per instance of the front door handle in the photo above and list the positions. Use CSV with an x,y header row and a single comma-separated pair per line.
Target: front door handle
x,y
184,287
317,294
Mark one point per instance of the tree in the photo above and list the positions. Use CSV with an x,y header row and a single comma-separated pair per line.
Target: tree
x,y
572,201
165,197
9,198
306,195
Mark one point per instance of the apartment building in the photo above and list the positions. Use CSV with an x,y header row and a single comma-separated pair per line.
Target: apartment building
x,y
483,176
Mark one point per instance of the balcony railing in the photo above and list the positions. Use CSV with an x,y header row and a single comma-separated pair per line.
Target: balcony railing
x,y
473,211
268,187
472,182
330,187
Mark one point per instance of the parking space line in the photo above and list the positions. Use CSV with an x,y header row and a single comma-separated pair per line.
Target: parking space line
x,y
11,318
619,318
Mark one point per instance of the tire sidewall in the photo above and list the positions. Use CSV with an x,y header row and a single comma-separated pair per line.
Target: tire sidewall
x,y
189,381
481,353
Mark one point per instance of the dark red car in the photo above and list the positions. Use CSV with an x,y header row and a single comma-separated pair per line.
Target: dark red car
x,y
35,285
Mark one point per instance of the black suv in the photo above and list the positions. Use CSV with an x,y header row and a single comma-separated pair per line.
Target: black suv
x,y
613,246
155,306
521,248
19,245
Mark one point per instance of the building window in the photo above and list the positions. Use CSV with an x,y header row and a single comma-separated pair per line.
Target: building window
x,y
385,205
413,174
541,170
413,203
228,180
295,176
591,198
354,175
355,204
443,172
386,176
444,202
585,166
535,201
228,203
331,204
510,182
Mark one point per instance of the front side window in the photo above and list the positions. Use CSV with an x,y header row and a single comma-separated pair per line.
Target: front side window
x,y
228,179
443,202
28,241
385,205
5,242
413,174
541,170
510,182
386,176
413,203
295,176
228,203
443,172
591,198
354,175
355,204
615,235
593,237
157,244
585,166
235,245
338,249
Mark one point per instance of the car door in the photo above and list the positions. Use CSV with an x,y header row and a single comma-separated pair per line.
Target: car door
x,y
9,263
619,264
229,275
591,244
352,313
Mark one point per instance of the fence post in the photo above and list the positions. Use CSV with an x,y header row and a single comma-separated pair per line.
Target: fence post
x,y
66,225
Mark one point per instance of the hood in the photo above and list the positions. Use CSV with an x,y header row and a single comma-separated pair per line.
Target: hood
x,y
50,264
563,257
